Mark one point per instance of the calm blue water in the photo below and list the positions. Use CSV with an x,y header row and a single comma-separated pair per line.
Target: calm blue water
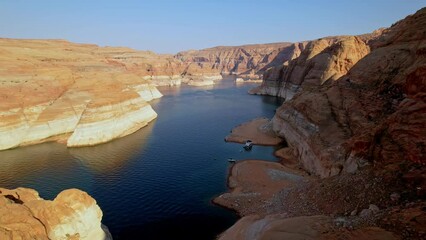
x,y
158,182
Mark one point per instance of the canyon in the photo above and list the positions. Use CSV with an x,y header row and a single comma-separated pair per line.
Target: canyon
x,y
54,90
353,120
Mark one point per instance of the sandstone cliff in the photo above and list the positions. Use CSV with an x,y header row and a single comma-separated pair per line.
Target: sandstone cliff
x,y
57,90
73,214
375,113
248,61
355,118
310,64
54,89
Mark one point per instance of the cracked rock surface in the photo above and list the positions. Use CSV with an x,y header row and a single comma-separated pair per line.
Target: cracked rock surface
x,y
73,214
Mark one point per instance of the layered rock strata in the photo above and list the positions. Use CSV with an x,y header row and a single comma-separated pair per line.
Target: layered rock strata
x,y
73,214
248,60
373,114
310,64
356,121
75,93
57,90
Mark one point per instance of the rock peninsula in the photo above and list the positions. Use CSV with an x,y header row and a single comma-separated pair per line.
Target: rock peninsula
x,y
75,93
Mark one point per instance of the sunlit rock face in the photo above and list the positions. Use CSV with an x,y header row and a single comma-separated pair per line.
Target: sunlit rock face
x,y
373,113
73,214
54,90
110,119
248,60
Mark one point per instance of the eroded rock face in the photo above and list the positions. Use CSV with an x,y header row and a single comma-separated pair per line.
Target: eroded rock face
x,y
310,64
373,113
82,94
73,214
77,93
248,61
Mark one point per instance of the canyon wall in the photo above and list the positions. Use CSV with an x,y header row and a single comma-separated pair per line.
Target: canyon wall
x,y
357,102
83,94
247,61
309,64
350,102
79,94
73,214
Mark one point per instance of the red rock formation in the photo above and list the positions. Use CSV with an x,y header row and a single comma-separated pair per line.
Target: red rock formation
x,y
376,113
248,60
311,64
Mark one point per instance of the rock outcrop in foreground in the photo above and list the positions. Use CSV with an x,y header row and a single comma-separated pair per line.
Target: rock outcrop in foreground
x,y
73,214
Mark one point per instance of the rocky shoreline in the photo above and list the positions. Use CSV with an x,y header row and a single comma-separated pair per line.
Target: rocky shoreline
x,y
258,130
73,214
55,89
354,167
353,120
277,200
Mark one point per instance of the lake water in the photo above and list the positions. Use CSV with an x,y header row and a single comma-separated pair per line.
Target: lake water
x,y
158,182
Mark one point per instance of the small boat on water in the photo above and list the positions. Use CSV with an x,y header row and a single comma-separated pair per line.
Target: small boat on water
x,y
248,145
231,160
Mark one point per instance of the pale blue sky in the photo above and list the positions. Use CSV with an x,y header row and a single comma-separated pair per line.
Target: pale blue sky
x,y
169,26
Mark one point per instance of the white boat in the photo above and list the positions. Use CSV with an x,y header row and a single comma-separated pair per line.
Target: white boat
x,y
248,145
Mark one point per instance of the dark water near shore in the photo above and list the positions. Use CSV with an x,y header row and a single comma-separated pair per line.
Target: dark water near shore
x,y
158,182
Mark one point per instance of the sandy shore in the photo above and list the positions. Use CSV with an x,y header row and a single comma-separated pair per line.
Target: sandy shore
x,y
270,197
258,130
254,183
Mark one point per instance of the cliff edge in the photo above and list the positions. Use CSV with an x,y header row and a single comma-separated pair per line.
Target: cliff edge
x,y
74,93
354,120
73,214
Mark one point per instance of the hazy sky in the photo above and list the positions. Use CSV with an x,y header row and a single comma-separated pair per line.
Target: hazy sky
x,y
169,26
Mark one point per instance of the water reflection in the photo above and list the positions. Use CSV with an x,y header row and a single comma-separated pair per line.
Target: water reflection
x,y
112,156
25,162
38,165
227,82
